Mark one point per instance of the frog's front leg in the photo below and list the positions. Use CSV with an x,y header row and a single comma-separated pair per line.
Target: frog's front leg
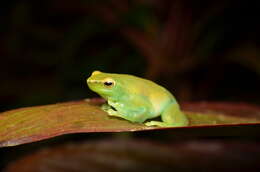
x,y
107,108
128,111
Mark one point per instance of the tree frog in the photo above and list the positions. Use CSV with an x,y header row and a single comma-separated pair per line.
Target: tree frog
x,y
136,99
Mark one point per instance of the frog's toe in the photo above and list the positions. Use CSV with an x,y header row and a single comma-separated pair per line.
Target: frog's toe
x,y
111,112
151,123
156,123
105,107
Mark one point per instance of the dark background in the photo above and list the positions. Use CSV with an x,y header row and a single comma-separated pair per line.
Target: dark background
x,y
200,50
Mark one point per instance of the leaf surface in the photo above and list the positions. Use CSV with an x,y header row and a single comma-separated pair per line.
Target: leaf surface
x,y
32,124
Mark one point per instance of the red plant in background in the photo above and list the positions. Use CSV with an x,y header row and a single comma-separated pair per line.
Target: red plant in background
x,y
185,45
167,38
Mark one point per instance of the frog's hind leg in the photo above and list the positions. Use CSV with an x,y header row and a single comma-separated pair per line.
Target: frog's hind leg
x,y
171,117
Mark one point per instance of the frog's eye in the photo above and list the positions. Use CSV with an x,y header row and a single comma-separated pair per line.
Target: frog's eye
x,y
109,82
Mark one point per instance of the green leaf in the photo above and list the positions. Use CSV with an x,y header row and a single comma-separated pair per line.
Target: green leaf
x,y
32,124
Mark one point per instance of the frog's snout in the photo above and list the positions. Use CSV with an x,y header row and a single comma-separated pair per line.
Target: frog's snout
x,y
91,78
90,83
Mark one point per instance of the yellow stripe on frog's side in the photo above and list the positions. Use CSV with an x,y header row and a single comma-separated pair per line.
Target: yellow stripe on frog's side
x,y
160,101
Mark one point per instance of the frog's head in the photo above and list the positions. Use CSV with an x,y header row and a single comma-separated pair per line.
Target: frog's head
x,y
104,84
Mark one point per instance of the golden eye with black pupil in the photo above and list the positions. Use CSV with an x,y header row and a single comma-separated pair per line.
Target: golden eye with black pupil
x,y
108,83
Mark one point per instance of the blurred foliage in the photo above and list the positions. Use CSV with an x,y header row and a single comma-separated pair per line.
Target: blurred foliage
x,y
139,155
199,50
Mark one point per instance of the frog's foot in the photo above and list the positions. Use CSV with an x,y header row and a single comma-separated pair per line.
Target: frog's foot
x,y
105,107
112,112
155,123
160,124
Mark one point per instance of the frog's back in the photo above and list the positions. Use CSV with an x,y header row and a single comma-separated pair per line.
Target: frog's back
x,y
156,94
